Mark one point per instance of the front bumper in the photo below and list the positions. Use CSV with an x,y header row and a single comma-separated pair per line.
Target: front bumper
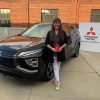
x,y
17,73
20,67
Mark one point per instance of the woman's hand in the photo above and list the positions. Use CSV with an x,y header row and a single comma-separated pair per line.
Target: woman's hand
x,y
60,49
50,47
63,46
53,49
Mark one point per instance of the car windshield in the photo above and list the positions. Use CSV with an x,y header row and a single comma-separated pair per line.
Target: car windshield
x,y
39,30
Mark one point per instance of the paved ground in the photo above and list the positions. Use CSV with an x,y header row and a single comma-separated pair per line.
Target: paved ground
x,y
80,79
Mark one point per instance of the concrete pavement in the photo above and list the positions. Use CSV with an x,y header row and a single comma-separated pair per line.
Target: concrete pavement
x,y
80,78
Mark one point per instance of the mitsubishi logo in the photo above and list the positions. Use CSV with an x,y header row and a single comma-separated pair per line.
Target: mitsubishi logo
x,y
91,32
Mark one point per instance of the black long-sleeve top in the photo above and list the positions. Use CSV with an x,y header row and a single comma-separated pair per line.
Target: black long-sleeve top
x,y
52,41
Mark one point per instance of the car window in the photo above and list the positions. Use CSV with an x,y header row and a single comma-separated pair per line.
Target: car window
x,y
72,30
77,30
39,30
65,27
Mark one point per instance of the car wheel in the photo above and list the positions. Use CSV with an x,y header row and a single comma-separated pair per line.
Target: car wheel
x,y
76,50
48,72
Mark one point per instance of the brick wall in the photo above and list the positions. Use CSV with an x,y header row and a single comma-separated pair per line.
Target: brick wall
x,y
29,11
19,11
84,9
64,9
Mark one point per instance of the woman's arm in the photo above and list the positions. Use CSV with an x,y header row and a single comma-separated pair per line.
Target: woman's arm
x,y
50,47
65,42
63,46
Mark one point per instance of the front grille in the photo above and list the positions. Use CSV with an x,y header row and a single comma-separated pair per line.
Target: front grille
x,y
6,54
7,62
6,59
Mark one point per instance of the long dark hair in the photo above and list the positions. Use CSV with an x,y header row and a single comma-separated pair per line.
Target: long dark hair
x,y
60,32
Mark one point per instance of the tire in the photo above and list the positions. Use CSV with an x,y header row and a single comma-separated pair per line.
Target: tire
x,y
48,72
76,53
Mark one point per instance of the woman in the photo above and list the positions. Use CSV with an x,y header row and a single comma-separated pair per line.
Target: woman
x,y
56,41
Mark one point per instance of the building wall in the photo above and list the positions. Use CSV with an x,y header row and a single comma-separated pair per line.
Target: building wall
x,y
19,11
24,12
84,11
64,10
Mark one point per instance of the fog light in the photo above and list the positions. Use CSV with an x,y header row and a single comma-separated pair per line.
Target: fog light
x,y
33,62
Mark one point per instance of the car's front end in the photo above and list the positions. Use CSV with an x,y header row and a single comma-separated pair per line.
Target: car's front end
x,y
20,56
21,59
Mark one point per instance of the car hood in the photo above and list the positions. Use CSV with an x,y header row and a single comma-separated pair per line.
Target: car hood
x,y
16,43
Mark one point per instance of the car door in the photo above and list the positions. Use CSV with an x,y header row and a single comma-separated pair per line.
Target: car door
x,y
73,33
68,49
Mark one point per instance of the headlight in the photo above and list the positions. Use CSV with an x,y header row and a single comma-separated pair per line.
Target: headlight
x,y
34,53
33,62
